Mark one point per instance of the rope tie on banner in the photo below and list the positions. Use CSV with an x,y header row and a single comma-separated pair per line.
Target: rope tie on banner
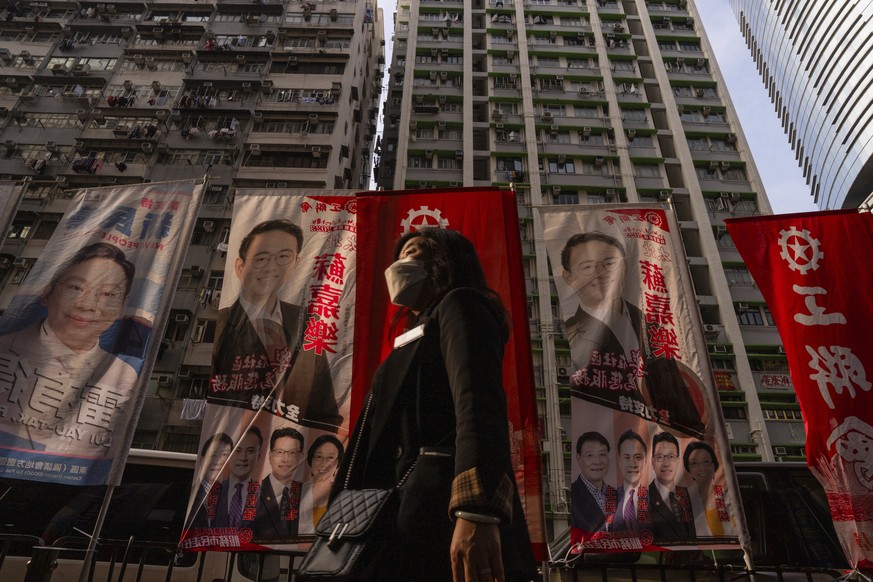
x,y
854,576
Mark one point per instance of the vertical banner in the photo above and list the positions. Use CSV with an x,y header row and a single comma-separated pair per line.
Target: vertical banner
x,y
277,413
488,218
75,342
807,268
651,470
10,197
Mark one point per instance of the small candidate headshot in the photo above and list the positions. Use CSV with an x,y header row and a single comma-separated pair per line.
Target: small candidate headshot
x,y
592,455
214,455
286,453
268,256
247,453
594,267
700,462
632,453
87,294
665,457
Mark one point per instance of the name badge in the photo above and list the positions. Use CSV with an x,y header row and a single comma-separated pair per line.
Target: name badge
x,y
409,336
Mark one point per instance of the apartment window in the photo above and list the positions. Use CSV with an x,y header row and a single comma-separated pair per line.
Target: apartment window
x,y
555,110
595,169
571,22
424,133
561,166
46,228
567,198
581,63
781,414
452,133
559,137
769,365
448,163
642,141
507,108
591,139
754,315
633,114
735,174
20,230
739,276
642,170
734,413
586,112
706,173
505,82
667,45
548,61
623,66
203,331
689,46
420,161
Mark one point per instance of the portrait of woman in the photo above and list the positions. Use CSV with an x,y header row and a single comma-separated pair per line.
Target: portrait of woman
x,y
437,412
323,459
707,500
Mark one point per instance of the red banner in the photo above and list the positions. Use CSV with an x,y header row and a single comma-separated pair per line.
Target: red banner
x,y
488,217
807,269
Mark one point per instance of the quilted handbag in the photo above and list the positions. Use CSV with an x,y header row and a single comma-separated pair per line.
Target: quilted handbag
x,y
351,536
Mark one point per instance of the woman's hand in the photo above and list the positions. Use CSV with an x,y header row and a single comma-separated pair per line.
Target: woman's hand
x,y
475,551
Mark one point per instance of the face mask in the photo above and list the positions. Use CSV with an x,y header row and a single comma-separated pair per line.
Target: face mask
x,y
407,280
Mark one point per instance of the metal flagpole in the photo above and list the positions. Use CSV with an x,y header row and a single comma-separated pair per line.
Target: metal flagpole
x,y
92,542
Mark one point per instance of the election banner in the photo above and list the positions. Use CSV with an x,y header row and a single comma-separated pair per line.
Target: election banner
x,y
10,197
652,467
488,218
807,269
76,341
277,413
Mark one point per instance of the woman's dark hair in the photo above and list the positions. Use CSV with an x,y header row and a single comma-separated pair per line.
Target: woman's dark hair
x,y
454,263
98,250
699,446
325,438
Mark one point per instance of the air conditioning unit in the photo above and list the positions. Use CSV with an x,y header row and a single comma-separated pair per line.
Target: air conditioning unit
x,y
255,149
459,154
719,349
705,111
711,328
699,92
184,373
187,58
246,87
631,133
497,114
547,116
5,263
780,450
742,306
664,195
196,271
553,130
428,153
442,124
731,138
496,125
316,151
599,161
150,63
20,263
780,349
563,371
147,147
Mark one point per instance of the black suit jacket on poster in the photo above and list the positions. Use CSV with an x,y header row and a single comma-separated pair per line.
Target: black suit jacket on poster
x,y
307,385
662,388
585,514
666,526
443,391
200,508
619,524
268,523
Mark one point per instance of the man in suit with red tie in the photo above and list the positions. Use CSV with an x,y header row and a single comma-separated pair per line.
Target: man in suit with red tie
x,y
669,504
632,505
257,336
278,513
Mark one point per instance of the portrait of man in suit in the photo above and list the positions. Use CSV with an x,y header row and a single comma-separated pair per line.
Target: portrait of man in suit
x,y
594,266
608,338
592,501
213,457
632,496
257,337
669,504
236,489
278,512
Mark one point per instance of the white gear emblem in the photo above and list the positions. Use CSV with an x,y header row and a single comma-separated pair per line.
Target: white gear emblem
x,y
799,242
422,218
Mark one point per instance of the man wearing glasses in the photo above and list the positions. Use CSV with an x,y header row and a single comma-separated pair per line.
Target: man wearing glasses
x,y
669,504
278,513
257,346
594,267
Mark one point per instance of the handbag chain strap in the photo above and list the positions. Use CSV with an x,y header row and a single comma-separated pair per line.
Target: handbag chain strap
x,y
358,444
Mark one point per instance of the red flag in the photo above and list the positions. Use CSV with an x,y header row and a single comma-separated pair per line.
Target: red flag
x,y
488,217
807,268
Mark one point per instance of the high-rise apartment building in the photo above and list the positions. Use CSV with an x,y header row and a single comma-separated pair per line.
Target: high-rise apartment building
x,y
588,102
264,94
814,58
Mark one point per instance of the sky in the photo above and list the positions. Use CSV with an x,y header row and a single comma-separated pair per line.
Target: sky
x,y
783,180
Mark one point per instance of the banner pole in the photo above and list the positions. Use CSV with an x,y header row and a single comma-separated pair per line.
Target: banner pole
x,y
92,543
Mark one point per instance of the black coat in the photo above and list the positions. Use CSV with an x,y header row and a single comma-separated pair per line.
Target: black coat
x,y
666,526
307,385
443,391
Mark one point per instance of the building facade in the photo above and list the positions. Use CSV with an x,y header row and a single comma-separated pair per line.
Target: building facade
x,y
587,102
265,94
814,58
